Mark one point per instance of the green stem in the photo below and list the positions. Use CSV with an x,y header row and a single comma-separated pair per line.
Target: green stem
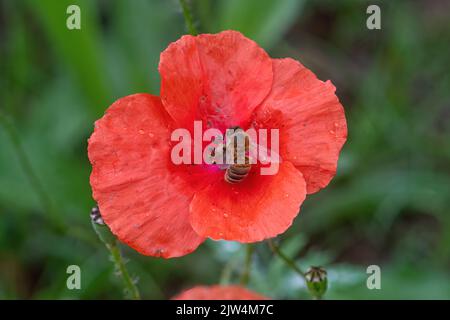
x,y
291,263
248,264
117,258
110,242
31,175
188,17
227,271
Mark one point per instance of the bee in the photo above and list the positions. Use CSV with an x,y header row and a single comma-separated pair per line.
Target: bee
x,y
236,169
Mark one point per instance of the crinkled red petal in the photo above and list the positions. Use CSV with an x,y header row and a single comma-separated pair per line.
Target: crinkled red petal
x,y
311,120
217,78
142,197
259,207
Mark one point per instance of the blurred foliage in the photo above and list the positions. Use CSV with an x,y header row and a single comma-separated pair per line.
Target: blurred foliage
x,y
388,204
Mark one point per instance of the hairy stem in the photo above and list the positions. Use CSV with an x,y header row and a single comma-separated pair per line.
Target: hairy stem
x,y
110,241
119,262
289,262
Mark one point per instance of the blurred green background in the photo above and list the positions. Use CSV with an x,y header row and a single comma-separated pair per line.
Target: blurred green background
x,y
388,205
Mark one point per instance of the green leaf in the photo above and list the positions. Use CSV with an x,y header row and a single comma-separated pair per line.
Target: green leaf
x,y
80,50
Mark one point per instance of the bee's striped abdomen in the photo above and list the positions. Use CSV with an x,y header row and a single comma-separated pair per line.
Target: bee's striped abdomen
x,y
237,172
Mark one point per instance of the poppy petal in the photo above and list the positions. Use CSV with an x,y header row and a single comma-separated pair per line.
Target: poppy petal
x,y
257,208
219,293
145,205
217,78
311,120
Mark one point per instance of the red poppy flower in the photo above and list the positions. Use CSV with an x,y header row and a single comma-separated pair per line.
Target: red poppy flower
x,y
219,293
224,80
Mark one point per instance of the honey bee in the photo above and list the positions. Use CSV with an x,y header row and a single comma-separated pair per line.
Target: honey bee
x,y
238,167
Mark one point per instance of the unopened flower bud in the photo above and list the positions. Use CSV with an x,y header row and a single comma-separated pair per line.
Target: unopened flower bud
x,y
96,217
101,228
316,280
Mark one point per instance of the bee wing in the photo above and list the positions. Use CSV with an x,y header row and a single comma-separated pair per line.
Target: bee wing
x,y
253,151
267,156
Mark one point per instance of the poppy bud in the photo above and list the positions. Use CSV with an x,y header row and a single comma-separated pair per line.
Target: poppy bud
x,y
101,228
96,217
316,280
